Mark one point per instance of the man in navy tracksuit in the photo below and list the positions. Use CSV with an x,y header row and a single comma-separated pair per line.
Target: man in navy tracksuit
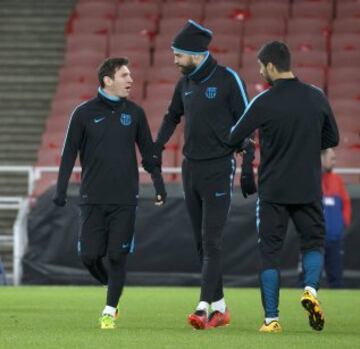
x,y
105,131
211,98
295,123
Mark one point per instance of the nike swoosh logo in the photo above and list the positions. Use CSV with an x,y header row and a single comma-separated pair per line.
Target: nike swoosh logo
x,y
97,120
187,93
220,194
125,245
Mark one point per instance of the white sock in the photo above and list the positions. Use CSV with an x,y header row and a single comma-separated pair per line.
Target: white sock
x,y
219,305
270,319
109,311
312,290
203,306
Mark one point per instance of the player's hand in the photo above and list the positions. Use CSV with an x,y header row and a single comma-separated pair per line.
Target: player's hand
x,y
160,199
59,200
247,181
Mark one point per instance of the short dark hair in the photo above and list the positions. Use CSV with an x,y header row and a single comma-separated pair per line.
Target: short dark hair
x,y
277,53
109,68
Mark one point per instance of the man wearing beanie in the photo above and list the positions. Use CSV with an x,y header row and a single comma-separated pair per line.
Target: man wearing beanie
x,y
211,98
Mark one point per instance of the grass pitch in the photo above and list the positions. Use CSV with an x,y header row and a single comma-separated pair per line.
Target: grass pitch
x,y
67,317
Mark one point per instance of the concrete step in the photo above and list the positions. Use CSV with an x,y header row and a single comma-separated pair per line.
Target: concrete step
x,y
16,158
33,87
30,54
56,11
18,140
31,62
57,37
31,45
19,28
23,118
26,96
34,20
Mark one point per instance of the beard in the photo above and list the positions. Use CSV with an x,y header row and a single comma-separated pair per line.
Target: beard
x,y
188,69
267,78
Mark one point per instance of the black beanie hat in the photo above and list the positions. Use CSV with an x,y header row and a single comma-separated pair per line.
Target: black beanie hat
x,y
193,39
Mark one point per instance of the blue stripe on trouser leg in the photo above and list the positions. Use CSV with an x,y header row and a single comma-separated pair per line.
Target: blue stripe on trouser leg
x,y
270,283
312,266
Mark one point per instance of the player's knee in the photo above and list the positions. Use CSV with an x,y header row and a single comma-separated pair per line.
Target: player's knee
x,y
89,259
117,258
212,247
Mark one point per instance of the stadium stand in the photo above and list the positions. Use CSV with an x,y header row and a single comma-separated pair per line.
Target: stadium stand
x,y
323,36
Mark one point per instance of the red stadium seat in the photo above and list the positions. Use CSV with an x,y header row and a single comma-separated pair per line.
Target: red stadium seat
x,y
222,43
183,9
99,9
75,89
229,59
251,74
314,26
138,59
345,106
132,9
265,9
78,42
314,76
224,26
345,41
252,43
312,9
346,25
78,74
164,56
350,90
315,58
306,42
348,9
228,9
130,41
164,74
271,26
84,58
135,25
158,90
343,74
163,41
170,26
91,25
349,58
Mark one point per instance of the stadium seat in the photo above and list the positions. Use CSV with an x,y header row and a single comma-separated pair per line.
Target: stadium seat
x,y
75,89
345,106
84,58
164,56
306,42
229,59
95,42
252,43
251,74
170,26
159,91
345,42
311,75
135,25
349,58
224,26
271,26
346,25
138,59
315,58
78,74
229,9
130,41
132,9
163,74
343,74
99,9
183,9
222,43
312,9
348,9
91,25
314,26
269,8
350,90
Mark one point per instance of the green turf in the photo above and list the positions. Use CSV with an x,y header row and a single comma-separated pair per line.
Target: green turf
x,y
66,317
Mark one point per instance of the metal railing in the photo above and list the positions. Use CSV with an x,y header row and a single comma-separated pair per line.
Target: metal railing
x,y
22,205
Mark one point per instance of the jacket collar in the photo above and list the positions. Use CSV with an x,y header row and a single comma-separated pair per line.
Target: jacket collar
x,y
204,69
